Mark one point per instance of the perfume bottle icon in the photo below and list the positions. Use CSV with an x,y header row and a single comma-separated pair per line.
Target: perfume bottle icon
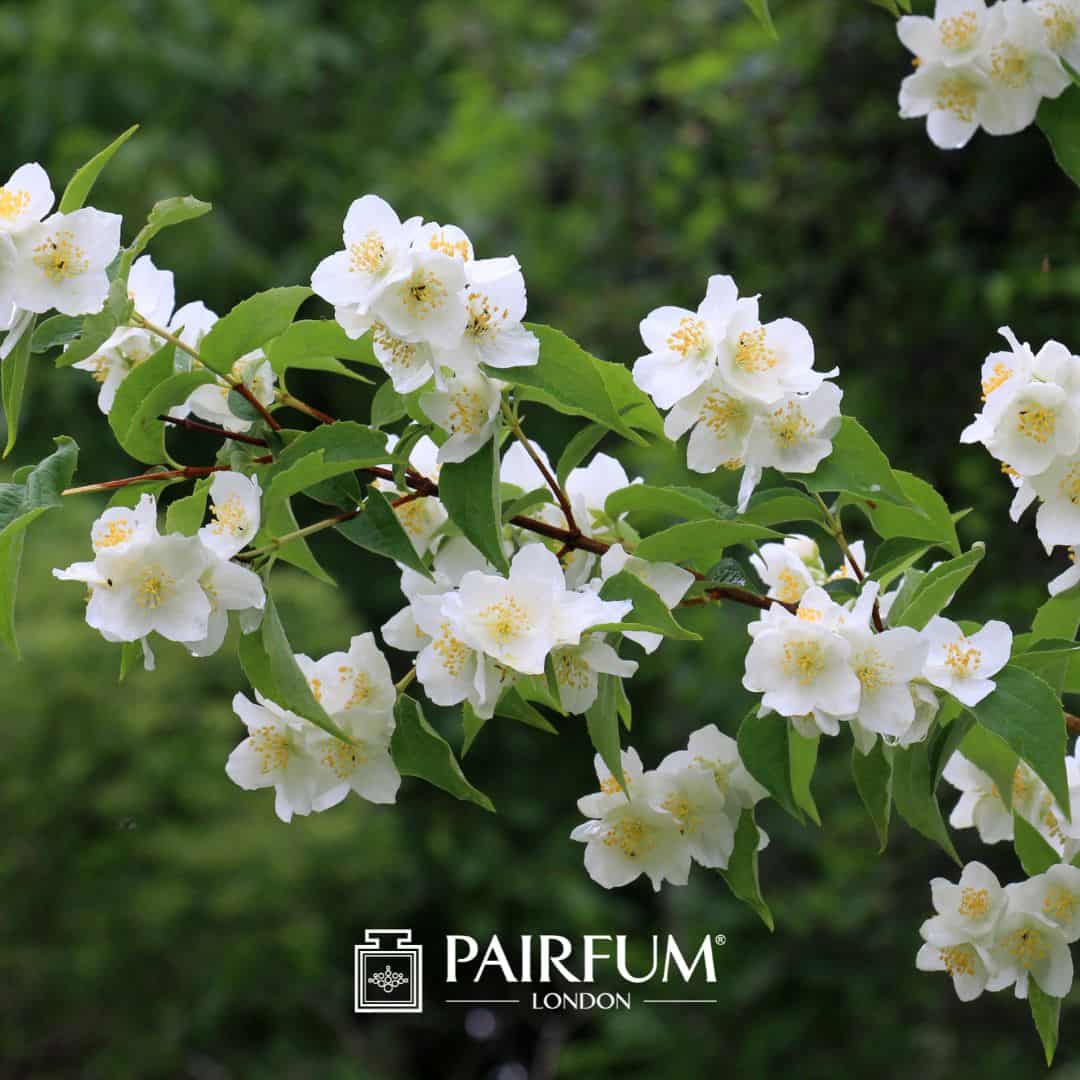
x,y
388,973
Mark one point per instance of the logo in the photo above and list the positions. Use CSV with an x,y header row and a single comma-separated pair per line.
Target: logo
x,y
388,973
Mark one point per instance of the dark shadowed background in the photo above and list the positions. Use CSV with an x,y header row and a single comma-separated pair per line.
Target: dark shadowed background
x,y
155,920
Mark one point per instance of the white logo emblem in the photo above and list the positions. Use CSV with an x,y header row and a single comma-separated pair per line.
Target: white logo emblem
x,y
388,973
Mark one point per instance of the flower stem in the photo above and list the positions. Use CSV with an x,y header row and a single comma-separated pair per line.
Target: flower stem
x,y
837,530
402,684
302,406
188,472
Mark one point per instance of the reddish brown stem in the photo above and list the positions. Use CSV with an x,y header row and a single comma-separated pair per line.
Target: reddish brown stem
x,y
211,429
188,472
1072,724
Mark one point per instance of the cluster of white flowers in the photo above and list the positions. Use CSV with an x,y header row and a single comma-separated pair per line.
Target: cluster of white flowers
x,y
49,261
989,937
823,663
476,632
153,295
745,390
1030,422
434,311
981,806
310,769
988,67
181,587
686,810
789,569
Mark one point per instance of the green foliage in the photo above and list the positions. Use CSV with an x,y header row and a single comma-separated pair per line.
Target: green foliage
x,y
741,874
1046,1012
873,780
913,791
21,504
649,612
378,529
471,494
13,374
602,722
686,502
701,542
581,444
96,329
856,466
250,325
1026,713
933,590
926,517
1060,122
760,10
164,215
80,185
419,750
764,749
1034,853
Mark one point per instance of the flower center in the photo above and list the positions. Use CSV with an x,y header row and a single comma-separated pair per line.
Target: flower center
x,y
467,412
722,412
962,659
1070,485
403,354
342,759
999,376
958,96
425,293
116,532
1059,903
1037,422
974,903
871,670
572,671
791,587
229,517
630,836
369,255
958,959
789,426
803,660
688,338
506,619
1026,946
752,355
451,652
456,249
1009,66
1060,24
957,31
272,746
155,587
13,202
60,257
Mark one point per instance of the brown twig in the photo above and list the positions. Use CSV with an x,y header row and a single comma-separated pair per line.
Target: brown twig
x,y
302,406
1072,724
188,472
211,429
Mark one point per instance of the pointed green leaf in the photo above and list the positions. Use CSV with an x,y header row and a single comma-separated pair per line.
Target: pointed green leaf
x,y
802,758
1046,1012
857,466
933,591
79,186
469,490
602,722
873,781
378,529
763,747
686,502
250,325
1060,123
1034,853
913,792
163,215
741,874
649,613
760,9
701,542
13,374
581,444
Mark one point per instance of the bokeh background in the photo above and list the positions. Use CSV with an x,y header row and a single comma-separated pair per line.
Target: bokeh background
x,y
155,920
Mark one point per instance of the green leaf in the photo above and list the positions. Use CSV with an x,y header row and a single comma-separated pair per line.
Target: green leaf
x,y
927,517
933,591
20,505
1059,617
472,726
131,655
701,542
514,707
649,613
13,373
1025,712
78,189
387,406
760,9
802,755
469,490
741,874
991,753
686,502
250,325
1034,853
782,504
185,515
55,332
278,676
279,520
1060,123
913,792
301,342
378,529
524,504
133,391
763,747
602,722
144,439
1049,658
873,780
163,215
569,380
895,557
581,444
856,466
346,441
419,750
307,472
1046,1012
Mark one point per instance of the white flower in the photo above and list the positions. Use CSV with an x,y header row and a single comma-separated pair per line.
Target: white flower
x,y
494,334
885,665
668,581
376,249
720,420
518,620
694,798
1054,895
468,409
151,290
631,836
25,199
1020,67
980,805
961,665
684,345
1061,20
951,98
426,302
786,576
234,512
139,588
60,263
1028,946
798,663
410,364
588,488
767,361
423,518
578,669
228,587
211,401
968,964
191,323
710,749
951,37
1058,518
1067,578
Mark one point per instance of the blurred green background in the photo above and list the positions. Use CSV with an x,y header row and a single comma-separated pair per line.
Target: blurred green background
x,y
156,921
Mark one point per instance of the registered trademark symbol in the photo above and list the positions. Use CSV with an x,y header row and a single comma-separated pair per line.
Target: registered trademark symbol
x,y
720,939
